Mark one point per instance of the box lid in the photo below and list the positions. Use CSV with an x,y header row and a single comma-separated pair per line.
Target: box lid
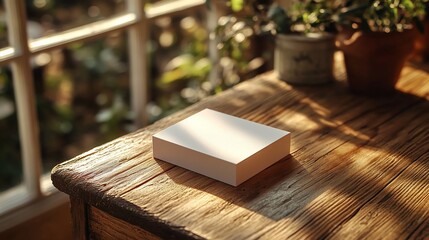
x,y
220,135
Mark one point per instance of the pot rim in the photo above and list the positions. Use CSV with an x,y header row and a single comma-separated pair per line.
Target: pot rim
x,y
306,37
377,33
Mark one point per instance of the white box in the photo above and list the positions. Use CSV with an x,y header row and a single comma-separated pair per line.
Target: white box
x,y
221,146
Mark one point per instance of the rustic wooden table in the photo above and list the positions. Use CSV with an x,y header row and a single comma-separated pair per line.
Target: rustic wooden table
x,y
359,168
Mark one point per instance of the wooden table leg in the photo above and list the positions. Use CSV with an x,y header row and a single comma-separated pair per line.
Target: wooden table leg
x,y
79,218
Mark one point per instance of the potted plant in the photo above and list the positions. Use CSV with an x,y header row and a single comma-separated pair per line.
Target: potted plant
x,y
376,38
305,42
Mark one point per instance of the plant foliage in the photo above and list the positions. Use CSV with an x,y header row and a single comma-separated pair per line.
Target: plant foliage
x,y
329,15
382,15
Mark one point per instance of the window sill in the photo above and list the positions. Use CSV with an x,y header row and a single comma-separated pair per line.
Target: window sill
x,y
17,207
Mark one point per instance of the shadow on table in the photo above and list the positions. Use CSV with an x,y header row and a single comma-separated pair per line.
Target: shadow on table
x,y
368,125
424,66
271,193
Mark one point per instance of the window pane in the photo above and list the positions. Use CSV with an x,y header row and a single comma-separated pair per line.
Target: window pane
x,y
180,63
49,16
10,155
83,97
4,42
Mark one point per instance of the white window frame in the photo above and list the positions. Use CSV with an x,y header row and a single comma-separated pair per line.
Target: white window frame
x,y
37,194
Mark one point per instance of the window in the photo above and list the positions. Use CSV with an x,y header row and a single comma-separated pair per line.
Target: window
x,y
23,52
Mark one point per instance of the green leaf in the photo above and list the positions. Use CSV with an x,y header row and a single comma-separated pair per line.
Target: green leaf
x,y
281,19
408,5
237,5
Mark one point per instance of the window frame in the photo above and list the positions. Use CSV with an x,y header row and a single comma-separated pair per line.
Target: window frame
x,y
24,200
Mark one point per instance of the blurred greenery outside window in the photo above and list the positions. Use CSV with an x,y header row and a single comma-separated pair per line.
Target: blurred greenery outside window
x,y
10,151
83,90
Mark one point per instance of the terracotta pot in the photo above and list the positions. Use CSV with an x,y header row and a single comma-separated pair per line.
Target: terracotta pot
x,y
421,47
374,60
425,51
304,59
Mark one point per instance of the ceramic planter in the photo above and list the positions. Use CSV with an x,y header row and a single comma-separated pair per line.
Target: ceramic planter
x,y
304,59
374,60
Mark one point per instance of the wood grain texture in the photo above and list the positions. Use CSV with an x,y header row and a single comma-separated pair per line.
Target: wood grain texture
x,y
358,169
105,226
79,218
